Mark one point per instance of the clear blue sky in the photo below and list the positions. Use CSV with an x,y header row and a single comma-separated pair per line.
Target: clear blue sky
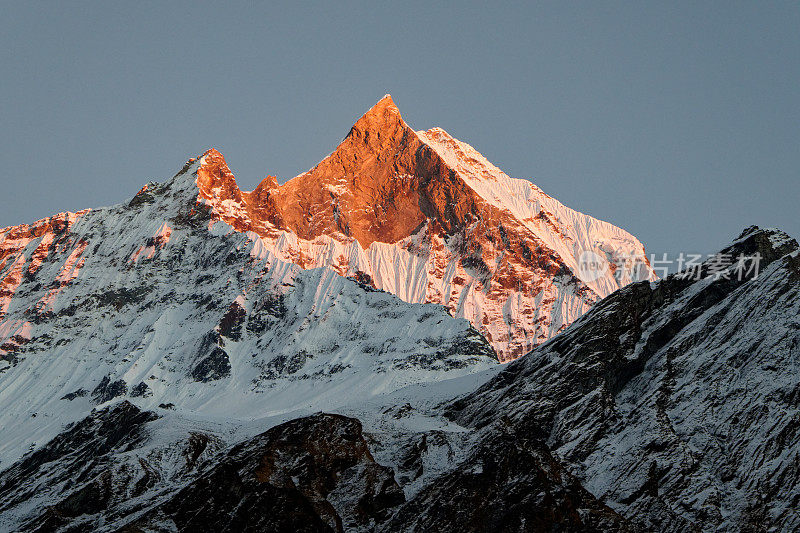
x,y
678,121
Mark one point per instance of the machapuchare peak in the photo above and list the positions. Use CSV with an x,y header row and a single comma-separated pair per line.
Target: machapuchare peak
x,y
427,217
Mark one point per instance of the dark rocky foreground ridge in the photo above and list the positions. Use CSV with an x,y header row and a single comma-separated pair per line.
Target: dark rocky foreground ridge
x,y
310,474
670,406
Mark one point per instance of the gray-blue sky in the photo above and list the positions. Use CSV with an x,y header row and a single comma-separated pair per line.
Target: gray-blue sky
x,y
678,121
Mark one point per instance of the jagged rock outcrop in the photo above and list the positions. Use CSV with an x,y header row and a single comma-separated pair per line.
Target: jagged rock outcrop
x,y
510,483
310,474
75,475
676,403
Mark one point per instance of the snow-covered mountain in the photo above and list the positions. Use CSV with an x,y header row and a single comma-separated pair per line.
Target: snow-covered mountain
x,y
158,300
426,217
418,214
323,355
670,406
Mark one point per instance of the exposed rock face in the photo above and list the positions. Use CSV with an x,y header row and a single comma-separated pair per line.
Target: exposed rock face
x,y
110,472
214,366
75,470
310,474
675,403
426,217
511,483
24,250
107,390
51,235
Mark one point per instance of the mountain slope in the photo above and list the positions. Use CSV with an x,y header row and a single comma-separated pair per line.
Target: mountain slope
x,y
426,217
108,471
677,402
509,483
670,406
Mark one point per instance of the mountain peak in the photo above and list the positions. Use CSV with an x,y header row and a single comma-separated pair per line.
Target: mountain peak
x,y
382,117
385,104
215,179
467,234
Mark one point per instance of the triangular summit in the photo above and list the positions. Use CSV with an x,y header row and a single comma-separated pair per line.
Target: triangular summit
x,y
427,217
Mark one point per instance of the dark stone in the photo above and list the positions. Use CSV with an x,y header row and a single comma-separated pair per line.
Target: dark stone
x,y
268,312
119,298
511,483
476,264
217,365
282,365
365,281
108,390
197,444
89,499
75,464
231,324
80,393
142,390
310,474
143,197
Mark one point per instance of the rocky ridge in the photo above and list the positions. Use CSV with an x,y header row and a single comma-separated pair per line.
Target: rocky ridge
x,y
675,402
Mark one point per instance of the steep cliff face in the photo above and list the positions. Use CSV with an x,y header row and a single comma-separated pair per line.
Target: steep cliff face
x,y
677,402
426,217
